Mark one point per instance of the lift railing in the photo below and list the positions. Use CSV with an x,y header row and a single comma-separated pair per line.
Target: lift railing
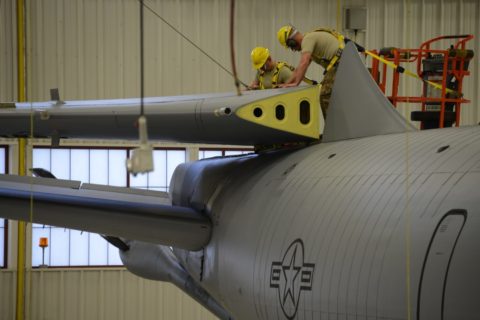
x,y
441,73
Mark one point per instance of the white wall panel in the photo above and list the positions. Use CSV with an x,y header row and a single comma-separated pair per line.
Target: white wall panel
x,y
7,294
90,49
104,294
8,58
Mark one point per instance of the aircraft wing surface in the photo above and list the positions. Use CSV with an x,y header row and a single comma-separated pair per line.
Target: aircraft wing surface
x,y
114,211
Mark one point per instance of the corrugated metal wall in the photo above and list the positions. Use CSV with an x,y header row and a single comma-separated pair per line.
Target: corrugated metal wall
x,y
59,294
7,294
7,51
89,50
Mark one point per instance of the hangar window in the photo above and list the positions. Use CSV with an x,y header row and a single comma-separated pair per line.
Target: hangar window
x,y
164,161
3,242
3,222
3,159
210,153
101,166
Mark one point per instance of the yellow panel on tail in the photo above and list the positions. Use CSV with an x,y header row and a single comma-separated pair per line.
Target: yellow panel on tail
x,y
295,112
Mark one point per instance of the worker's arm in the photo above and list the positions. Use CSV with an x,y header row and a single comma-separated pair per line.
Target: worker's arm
x,y
300,70
254,85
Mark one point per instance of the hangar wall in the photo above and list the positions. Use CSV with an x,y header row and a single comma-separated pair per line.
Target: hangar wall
x,y
79,294
8,58
90,49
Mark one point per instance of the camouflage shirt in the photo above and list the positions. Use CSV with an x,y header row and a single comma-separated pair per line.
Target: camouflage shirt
x,y
322,45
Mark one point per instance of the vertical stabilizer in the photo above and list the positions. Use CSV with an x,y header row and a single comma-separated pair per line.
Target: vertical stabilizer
x,y
357,107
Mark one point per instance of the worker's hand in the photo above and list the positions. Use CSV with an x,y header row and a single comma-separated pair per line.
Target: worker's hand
x,y
287,85
253,87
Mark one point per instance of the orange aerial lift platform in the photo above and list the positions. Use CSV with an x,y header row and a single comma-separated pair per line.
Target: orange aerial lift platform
x,y
441,73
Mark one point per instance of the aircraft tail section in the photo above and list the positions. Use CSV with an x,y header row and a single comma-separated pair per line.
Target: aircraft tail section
x,y
113,211
357,106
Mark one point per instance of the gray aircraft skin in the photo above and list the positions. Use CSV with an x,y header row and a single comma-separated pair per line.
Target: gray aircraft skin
x,y
378,221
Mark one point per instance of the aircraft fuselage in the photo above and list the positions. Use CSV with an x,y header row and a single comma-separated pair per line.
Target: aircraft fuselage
x,y
350,229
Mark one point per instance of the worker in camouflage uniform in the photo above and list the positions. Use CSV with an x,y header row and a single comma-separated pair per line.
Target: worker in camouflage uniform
x,y
323,46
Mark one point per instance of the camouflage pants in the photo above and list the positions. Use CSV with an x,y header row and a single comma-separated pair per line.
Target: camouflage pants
x,y
326,89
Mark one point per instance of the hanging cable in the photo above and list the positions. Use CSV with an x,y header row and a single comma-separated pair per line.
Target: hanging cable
x,y
232,47
141,160
191,42
339,14
142,93
408,211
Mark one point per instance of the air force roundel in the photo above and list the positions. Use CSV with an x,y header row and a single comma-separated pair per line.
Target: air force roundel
x,y
290,277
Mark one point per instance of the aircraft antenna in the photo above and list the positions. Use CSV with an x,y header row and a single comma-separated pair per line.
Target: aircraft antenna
x,y
141,160
191,42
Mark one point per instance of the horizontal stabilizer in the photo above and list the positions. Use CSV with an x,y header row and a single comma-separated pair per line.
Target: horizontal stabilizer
x,y
255,117
113,211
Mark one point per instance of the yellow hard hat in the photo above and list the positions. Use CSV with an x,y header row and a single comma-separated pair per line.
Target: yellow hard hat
x,y
259,56
283,34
